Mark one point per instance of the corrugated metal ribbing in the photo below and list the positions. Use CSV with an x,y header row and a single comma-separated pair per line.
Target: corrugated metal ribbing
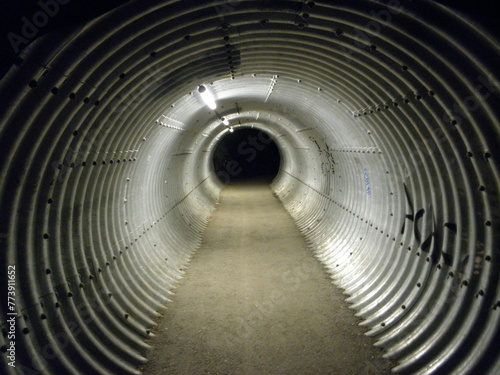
x,y
408,230
386,116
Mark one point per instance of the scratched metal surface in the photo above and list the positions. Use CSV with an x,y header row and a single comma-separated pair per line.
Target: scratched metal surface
x,y
386,116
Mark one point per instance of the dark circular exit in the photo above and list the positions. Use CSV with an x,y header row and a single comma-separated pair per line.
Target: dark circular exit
x,y
246,154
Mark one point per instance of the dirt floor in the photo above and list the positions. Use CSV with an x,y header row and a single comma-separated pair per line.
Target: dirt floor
x,y
254,300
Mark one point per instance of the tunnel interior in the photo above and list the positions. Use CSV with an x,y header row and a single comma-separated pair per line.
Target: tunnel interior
x,y
246,154
385,116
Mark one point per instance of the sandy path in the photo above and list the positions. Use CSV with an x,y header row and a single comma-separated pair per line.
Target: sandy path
x,y
255,301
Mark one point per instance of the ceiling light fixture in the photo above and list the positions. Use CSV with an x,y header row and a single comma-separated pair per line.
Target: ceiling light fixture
x,y
207,97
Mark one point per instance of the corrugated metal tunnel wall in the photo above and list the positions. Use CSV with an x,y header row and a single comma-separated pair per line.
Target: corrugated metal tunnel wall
x,y
386,116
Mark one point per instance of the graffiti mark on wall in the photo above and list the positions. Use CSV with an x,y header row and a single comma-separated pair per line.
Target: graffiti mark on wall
x,y
431,242
366,179
326,157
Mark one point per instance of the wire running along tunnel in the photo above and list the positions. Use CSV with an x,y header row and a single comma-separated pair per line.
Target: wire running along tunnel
x,y
385,115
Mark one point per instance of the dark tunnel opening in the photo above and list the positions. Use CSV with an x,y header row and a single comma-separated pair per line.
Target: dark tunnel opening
x,y
245,155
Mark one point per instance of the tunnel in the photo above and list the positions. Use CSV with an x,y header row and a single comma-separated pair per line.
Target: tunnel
x,y
385,116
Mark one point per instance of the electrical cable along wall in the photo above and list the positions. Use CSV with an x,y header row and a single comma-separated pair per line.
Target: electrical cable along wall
x,y
385,114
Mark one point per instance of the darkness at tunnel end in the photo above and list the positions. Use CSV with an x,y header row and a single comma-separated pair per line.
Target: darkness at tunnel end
x,y
246,155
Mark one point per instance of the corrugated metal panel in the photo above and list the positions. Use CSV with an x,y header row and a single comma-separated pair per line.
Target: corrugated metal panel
x,y
386,116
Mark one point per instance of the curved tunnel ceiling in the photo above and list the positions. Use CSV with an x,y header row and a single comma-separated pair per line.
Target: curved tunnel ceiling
x,y
386,117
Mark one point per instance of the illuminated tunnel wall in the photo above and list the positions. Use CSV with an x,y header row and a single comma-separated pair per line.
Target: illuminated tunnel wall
x,y
386,117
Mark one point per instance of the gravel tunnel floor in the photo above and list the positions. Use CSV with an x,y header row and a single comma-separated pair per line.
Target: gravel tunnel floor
x,y
254,300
